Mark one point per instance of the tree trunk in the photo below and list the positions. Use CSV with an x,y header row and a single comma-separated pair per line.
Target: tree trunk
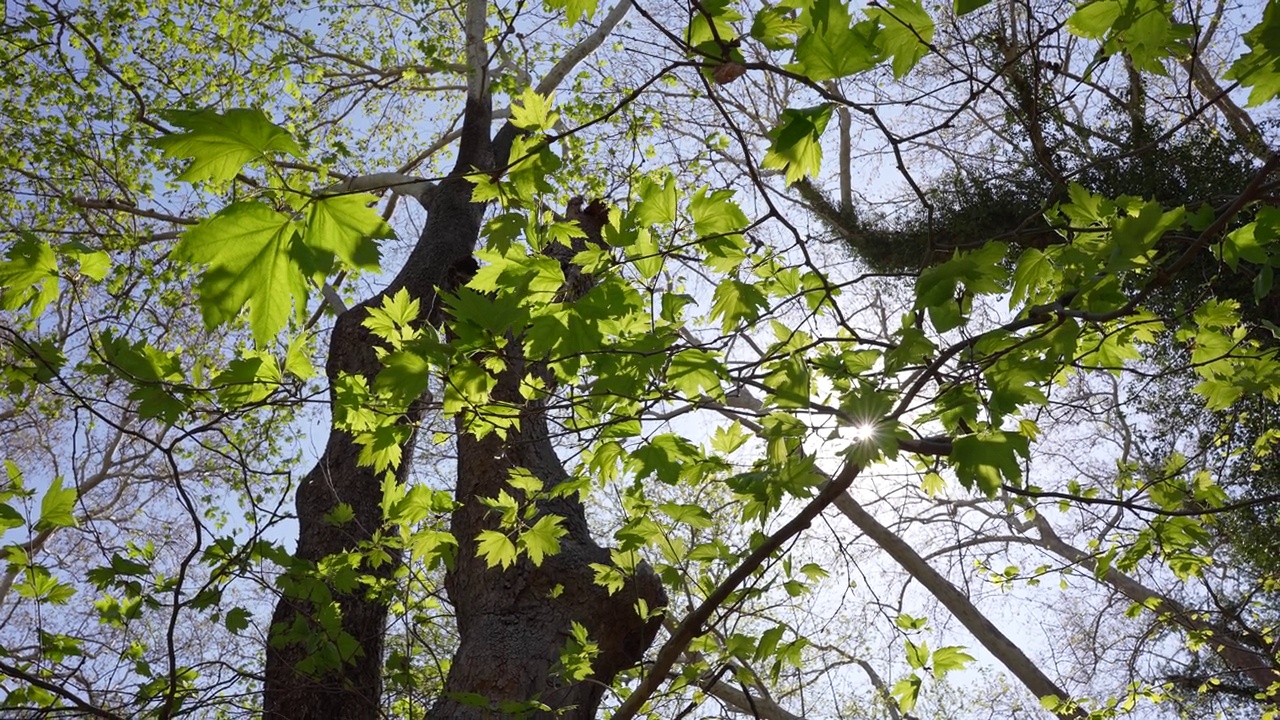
x,y
515,622
511,629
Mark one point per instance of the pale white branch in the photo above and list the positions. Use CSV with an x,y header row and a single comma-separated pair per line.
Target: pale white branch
x,y
477,51
398,183
585,47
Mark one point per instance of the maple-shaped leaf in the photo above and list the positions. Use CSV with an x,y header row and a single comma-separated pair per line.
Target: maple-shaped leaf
x,y
220,144
57,507
345,226
543,538
775,28
246,246
905,33
832,48
989,459
796,147
533,113
496,549
574,9
1260,67
29,271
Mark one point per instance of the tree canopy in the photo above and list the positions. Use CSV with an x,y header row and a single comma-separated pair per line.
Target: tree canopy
x,y
695,358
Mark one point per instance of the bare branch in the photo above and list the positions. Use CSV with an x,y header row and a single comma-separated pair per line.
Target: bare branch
x,y
585,47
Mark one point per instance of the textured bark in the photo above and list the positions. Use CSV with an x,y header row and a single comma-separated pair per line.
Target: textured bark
x,y
511,630
512,627
442,256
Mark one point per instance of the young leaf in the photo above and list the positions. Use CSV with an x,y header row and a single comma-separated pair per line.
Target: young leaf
x,y
831,48
951,657
775,28
496,549
345,226
905,33
246,246
57,507
30,263
796,143
917,655
9,518
657,202
543,538
574,10
694,372
734,301
987,459
533,112
1260,67
220,144
907,690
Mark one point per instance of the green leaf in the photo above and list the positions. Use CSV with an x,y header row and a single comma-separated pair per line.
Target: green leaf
x,y
831,48
29,273
405,376
1095,19
907,690
1143,29
296,360
712,27
775,28
987,459
769,642
532,111
657,203
94,265
496,549
246,246
396,314
666,456
691,515
948,658
909,622
1135,234
964,7
57,507
1033,275
38,584
1250,242
796,145
737,302
726,439
345,226
905,33
543,538
715,213
156,375
340,515
917,655
219,144
1260,67
10,518
697,372
237,619
248,379
574,10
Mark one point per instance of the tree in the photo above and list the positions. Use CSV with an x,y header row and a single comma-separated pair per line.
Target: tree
x,y
612,319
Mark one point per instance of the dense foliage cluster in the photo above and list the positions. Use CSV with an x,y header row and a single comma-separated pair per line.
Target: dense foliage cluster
x,y
469,359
